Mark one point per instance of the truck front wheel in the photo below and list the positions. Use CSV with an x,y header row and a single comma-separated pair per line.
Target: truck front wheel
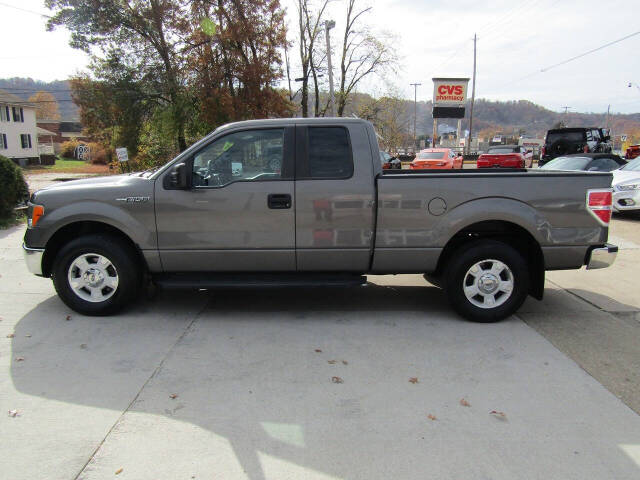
x,y
96,274
486,280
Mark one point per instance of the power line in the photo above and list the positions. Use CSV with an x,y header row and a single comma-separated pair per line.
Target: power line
x,y
590,51
25,10
546,69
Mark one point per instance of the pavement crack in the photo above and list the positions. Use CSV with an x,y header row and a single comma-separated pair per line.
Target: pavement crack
x,y
155,372
578,296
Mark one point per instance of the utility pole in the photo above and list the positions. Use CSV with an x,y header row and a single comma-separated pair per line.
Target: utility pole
x,y
415,113
566,114
473,94
328,25
607,122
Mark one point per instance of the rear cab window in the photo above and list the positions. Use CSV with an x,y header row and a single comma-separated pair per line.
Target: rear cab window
x,y
329,153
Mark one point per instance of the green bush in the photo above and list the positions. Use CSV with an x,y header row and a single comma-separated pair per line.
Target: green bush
x,y
13,188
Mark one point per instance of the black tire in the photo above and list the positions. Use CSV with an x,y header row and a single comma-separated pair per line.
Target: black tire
x,y
458,268
123,262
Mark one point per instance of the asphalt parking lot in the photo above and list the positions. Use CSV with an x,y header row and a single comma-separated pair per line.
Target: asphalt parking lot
x,y
363,383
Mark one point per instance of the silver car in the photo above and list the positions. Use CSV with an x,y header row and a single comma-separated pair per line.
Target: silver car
x,y
626,187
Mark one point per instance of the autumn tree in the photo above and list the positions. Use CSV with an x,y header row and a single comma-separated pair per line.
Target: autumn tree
x,y
144,35
234,59
47,107
390,118
363,53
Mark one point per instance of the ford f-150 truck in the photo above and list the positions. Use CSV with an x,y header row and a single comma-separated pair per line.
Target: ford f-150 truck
x,y
290,202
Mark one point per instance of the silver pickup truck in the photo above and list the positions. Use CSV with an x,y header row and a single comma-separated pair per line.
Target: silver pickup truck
x,y
304,202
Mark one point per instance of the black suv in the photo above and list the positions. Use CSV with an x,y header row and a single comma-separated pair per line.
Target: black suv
x,y
565,141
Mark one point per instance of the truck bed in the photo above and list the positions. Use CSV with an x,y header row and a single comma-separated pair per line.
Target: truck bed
x,y
420,211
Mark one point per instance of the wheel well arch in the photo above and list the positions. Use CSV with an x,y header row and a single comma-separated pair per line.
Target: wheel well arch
x,y
76,229
511,233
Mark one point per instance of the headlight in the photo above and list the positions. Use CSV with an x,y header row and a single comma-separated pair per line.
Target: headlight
x,y
628,186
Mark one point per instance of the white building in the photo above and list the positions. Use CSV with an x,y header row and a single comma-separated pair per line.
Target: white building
x,y
18,131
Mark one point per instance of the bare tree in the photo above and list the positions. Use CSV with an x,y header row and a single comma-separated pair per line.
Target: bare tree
x,y
363,53
309,29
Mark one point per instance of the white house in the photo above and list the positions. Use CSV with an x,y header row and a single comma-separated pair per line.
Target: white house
x,y
18,131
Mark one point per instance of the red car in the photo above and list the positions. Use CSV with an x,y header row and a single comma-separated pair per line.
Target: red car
x,y
506,156
436,158
632,152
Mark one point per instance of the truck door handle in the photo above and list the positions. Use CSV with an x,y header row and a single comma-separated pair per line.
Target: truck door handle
x,y
279,200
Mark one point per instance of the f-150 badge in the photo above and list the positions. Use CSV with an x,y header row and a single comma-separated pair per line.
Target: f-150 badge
x,y
133,199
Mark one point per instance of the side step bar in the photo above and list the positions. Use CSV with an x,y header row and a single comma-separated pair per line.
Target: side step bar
x,y
257,280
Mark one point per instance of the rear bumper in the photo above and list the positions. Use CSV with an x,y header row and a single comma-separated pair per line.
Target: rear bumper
x,y
601,257
33,259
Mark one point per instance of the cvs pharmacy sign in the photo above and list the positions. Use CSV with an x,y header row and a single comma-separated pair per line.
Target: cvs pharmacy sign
x,y
450,91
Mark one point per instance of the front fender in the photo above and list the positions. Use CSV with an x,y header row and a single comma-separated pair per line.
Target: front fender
x,y
134,220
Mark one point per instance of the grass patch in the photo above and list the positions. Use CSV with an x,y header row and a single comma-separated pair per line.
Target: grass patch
x,y
18,217
68,165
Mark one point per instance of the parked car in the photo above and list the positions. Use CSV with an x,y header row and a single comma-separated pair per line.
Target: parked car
x,y
328,214
626,187
588,162
388,161
441,158
506,156
632,152
567,141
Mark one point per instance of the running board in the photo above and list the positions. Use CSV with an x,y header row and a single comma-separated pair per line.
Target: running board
x,y
257,280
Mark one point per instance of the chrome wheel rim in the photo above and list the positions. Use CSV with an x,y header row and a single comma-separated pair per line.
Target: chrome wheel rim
x,y
93,277
488,283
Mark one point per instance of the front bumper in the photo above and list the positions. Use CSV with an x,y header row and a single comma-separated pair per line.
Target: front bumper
x,y
33,258
624,200
601,257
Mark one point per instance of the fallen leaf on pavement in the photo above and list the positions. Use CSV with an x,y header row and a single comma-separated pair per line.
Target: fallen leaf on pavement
x,y
331,362
11,335
431,417
173,396
119,471
464,403
19,359
317,350
344,362
498,414
14,413
337,380
413,380
68,318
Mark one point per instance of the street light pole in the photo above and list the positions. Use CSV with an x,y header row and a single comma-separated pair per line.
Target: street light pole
x,y
415,113
473,94
328,25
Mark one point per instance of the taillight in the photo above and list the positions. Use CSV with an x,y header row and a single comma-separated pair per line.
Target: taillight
x,y
544,151
599,204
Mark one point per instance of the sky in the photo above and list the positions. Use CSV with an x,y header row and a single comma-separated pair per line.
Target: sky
x,y
516,40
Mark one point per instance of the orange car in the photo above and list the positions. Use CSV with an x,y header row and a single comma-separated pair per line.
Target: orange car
x,y
436,158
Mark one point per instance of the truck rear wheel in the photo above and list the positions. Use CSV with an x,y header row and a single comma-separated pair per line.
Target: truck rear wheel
x,y
96,274
486,281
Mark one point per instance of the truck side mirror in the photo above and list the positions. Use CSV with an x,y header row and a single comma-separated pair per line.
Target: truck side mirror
x,y
178,176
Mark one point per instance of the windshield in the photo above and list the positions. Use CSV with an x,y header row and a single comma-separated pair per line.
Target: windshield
x,y
569,136
567,163
501,150
632,166
431,155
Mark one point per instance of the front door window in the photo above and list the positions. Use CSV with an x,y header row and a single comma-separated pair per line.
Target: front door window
x,y
247,156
